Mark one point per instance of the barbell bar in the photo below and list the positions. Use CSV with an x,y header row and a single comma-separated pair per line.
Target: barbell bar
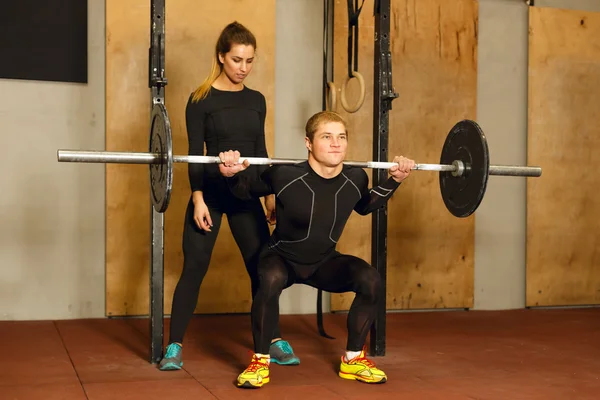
x,y
464,165
114,157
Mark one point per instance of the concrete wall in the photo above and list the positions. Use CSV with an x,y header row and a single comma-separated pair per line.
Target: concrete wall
x,y
52,236
298,77
52,215
500,221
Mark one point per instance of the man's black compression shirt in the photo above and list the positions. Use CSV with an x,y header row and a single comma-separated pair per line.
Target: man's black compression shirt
x,y
225,120
311,210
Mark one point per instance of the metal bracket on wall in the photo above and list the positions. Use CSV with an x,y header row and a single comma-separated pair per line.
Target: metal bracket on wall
x,y
387,89
156,75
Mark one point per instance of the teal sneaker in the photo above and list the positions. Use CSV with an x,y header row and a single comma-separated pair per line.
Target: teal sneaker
x,y
172,359
282,353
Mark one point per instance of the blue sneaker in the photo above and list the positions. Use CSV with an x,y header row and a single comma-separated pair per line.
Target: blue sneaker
x,y
282,353
172,359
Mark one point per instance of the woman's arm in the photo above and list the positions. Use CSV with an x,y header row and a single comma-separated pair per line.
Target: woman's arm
x,y
194,120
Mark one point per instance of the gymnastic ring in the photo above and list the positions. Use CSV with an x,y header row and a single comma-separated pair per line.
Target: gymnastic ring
x,y
331,97
361,97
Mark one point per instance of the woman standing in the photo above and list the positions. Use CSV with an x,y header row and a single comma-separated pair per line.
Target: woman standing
x,y
224,114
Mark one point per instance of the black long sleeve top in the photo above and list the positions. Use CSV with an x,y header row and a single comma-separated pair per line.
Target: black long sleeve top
x,y
225,120
311,210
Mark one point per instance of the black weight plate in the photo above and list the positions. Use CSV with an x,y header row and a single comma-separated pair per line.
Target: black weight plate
x,y
467,143
161,174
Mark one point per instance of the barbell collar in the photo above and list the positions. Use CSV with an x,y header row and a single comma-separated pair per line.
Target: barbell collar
x,y
459,168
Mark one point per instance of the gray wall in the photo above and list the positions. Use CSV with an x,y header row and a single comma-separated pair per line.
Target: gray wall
x,y
52,236
298,72
52,215
500,234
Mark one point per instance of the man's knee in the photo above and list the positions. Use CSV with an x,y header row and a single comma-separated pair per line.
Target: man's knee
x,y
271,279
369,283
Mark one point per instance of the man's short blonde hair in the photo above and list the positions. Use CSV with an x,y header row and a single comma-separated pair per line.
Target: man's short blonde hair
x,y
322,117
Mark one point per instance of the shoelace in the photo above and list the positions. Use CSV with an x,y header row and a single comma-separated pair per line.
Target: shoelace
x,y
285,346
255,365
364,360
172,351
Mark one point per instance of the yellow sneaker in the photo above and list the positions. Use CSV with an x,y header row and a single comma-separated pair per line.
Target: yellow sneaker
x,y
361,369
256,375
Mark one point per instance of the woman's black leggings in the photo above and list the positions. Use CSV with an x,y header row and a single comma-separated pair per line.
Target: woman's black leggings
x,y
339,274
249,227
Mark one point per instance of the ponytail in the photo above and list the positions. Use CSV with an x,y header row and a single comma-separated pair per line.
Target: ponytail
x,y
204,88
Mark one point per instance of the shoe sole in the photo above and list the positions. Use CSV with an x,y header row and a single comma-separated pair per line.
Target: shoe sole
x,y
353,377
249,385
293,362
171,367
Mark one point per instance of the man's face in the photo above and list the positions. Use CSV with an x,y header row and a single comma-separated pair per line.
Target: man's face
x,y
329,144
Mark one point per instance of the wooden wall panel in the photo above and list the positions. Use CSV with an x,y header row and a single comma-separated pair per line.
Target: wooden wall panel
x,y
192,28
563,207
434,49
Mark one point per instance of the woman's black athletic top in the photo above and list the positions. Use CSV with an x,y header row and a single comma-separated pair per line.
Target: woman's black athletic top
x,y
225,120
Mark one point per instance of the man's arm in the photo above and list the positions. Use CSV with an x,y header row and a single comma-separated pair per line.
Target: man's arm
x,y
246,188
243,186
261,151
375,198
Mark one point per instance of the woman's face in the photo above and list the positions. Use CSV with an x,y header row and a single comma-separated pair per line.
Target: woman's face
x,y
237,63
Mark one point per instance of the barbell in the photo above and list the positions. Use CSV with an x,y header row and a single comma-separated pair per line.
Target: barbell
x,y
464,164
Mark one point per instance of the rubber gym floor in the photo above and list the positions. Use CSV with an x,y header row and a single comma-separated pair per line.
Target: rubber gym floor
x,y
521,354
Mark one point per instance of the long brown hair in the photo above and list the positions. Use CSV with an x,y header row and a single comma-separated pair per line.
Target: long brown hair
x,y
234,33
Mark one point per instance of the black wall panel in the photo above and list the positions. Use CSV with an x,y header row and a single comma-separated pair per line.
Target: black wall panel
x,y
44,40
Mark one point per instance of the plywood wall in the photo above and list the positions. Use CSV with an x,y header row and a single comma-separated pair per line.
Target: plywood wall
x,y
434,48
192,28
563,207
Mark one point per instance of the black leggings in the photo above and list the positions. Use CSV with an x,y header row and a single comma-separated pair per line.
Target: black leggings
x,y
250,230
339,274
